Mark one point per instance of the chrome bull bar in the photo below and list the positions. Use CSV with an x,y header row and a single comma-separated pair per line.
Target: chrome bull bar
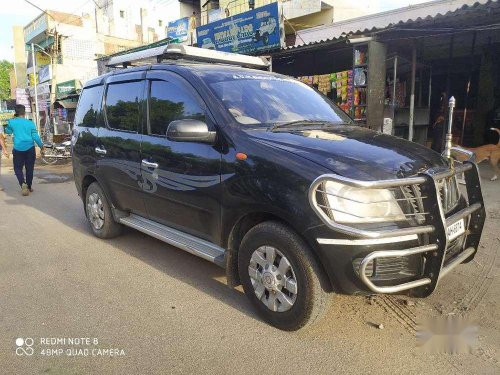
x,y
438,243
434,227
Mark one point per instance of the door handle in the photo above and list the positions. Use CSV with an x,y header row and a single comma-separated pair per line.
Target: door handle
x,y
100,151
149,164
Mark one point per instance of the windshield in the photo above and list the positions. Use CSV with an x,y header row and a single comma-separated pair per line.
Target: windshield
x,y
264,99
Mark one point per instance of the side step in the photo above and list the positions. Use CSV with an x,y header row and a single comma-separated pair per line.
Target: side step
x,y
194,245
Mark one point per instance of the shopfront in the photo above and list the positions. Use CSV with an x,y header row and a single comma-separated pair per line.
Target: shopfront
x,y
350,72
67,94
398,79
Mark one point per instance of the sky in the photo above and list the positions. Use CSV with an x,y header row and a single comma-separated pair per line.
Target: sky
x,y
21,13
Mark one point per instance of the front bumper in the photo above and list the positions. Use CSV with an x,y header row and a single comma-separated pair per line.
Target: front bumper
x,y
435,254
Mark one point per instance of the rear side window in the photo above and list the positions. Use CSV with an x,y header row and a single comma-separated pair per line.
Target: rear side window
x,y
89,107
169,102
122,105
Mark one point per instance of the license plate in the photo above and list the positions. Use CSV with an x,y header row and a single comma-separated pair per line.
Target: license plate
x,y
455,230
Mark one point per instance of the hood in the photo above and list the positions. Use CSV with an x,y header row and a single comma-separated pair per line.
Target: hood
x,y
354,152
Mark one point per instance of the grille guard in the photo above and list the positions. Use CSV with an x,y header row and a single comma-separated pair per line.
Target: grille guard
x,y
434,227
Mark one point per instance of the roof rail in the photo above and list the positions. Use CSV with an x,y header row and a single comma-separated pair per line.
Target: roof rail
x,y
187,53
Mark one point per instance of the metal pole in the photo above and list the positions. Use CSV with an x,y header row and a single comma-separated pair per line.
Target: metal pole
x,y
449,135
412,94
430,89
394,76
33,63
468,86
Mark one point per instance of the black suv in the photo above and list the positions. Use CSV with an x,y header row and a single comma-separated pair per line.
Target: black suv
x,y
262,175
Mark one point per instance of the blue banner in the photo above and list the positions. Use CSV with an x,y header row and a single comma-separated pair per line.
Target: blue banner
x,y
178,29
255,31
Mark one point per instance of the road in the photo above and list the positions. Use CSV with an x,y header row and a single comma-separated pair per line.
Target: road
x,y
163,311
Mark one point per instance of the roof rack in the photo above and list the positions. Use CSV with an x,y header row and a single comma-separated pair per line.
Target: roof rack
x,y
187,53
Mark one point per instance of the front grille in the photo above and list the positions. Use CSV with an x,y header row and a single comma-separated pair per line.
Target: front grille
x,y
391,268
454,248
411,201
448,193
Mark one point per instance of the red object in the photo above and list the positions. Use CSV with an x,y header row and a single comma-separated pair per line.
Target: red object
x,y
241,156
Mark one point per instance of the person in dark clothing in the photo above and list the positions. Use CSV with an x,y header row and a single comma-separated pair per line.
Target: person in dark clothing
x,y
437,134
25,136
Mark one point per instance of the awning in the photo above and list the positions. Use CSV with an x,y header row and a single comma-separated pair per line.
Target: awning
x,y
67,103
426,14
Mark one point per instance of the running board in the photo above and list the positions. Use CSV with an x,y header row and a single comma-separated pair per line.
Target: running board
x,y
194,245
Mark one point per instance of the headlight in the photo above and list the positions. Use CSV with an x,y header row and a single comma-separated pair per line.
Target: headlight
x,y
349,204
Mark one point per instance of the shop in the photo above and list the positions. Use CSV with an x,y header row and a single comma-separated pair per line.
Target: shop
x,y
350,72
398,78
67,94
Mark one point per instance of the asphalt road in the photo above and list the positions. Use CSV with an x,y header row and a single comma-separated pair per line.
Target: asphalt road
x,y
159,310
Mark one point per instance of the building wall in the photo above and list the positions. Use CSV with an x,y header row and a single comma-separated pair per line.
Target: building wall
x,y
141,20
347,9
19,56
300,14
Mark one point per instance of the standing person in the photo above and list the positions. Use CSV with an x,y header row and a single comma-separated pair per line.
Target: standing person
x,y
437,134
25,135
192,29
3,150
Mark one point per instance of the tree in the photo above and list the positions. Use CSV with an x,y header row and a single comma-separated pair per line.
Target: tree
x,y
5,68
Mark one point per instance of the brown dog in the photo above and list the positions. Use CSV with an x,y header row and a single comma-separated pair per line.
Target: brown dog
x,y
489,152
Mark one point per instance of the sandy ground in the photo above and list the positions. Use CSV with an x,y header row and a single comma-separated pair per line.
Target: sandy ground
x,y
171,312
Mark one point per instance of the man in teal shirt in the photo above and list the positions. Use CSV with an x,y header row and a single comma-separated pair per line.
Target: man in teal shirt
x,y
25,137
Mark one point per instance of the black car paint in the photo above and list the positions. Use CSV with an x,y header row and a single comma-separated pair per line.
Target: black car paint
x,y
273,180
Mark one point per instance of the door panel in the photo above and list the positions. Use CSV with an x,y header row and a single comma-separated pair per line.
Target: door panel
x,y
119,145
88,119
181,179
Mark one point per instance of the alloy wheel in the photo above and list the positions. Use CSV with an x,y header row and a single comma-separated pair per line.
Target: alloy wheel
x,y
95,211
273,279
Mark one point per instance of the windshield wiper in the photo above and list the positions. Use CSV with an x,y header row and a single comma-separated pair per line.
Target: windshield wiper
x,y
306,123
298,122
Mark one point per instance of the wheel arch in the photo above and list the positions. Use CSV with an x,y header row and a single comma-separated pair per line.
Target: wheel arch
x,y
86,182
238,231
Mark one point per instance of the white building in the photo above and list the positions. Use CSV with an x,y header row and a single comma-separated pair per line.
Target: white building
x,y
142,20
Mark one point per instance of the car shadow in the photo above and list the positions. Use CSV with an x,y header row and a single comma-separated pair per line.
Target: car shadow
x,y
185,267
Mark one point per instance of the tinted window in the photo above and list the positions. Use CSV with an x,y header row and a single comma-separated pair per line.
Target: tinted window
x,y
122,105
89,107
169,102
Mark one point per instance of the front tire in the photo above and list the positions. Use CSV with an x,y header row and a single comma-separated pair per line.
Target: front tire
x,y
281,277
99,215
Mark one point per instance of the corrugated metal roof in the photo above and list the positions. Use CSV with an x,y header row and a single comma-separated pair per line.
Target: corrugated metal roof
x,y
432,10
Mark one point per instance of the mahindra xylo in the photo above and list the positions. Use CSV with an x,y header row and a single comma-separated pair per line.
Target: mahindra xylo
x,y
262,175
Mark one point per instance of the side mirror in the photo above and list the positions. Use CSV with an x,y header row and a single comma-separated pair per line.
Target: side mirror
x,y
190,131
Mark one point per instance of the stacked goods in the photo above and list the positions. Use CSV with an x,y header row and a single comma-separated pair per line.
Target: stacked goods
x,y
344,90
324,84
338,86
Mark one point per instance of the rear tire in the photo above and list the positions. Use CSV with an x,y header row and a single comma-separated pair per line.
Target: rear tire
x,y
99,215
287,286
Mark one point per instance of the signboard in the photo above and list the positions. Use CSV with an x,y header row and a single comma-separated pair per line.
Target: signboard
x,y
179,29
31,79
45,74
216,14
251,32
65,88
22,98
42,58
